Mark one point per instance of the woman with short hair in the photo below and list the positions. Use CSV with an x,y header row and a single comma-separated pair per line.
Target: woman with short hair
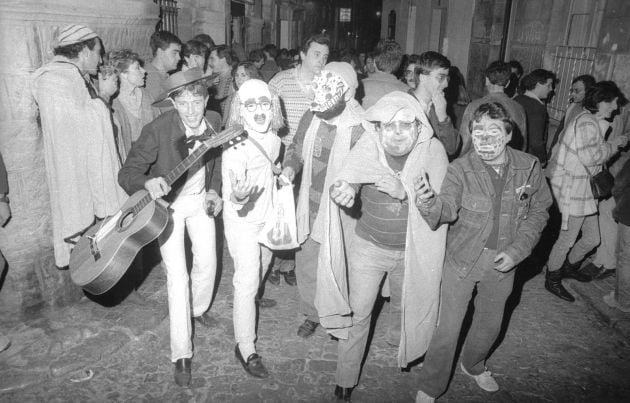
x,y
132,106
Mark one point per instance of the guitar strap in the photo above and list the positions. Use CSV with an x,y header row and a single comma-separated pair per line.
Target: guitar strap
x,y
276,170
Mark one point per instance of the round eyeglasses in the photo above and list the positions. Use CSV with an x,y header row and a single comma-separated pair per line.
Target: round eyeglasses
x,y
251,106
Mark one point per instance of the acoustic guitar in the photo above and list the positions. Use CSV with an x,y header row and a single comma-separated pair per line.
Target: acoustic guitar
x,y
106,250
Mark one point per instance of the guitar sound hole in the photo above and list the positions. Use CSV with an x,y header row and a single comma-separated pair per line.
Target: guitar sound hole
x,y
125,220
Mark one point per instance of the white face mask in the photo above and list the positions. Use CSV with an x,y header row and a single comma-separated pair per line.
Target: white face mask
x,y
256,105
490,139
399,135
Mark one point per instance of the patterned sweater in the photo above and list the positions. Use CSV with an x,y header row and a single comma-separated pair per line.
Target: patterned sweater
x,y
295,101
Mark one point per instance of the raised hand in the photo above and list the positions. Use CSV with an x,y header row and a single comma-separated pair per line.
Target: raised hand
x,y
392,186
439,102
342,193
425,196
241,188
157,187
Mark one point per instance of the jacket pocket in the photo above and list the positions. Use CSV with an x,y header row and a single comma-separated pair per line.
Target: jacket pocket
x,y
475,211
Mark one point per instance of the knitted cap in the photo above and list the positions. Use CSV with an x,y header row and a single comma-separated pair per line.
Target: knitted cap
x,y
74,33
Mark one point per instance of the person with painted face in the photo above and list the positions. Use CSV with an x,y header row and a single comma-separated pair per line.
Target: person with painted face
x,y
495,200
194,202
390,237
432,72
322,140
248,181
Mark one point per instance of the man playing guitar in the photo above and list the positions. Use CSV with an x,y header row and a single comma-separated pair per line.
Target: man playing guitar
x,y
194,199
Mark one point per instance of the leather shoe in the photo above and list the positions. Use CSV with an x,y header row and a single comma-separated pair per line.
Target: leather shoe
x,y
253,365
182,371
572,270
553,284
265,302
289,277
343,393
206,320
274,277
307,328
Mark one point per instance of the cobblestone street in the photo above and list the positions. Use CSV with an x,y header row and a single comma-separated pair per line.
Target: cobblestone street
x,y
552,351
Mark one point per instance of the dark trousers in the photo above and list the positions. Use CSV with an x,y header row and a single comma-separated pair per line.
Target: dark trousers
x,y
493,289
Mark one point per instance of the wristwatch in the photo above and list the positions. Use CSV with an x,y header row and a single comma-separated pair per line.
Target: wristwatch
x,y
4,199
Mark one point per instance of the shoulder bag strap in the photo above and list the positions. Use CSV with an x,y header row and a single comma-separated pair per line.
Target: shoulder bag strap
x,y
276,170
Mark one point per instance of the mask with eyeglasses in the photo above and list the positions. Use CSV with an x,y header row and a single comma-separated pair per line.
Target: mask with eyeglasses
x,y
252,106
398,125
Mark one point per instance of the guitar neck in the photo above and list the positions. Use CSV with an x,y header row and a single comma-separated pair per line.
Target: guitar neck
x,y
186,163
218,140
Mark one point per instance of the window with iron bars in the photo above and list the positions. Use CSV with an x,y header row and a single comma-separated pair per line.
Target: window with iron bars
x,y
168,16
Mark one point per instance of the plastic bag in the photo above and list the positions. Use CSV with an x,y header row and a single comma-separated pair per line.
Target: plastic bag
x,y
280,232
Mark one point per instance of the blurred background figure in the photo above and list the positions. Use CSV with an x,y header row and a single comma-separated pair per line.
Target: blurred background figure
x,y
511,90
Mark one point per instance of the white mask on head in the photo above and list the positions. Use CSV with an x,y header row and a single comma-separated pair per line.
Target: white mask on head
x,y
256,105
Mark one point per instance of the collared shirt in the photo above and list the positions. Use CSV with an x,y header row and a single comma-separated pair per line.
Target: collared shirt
x,y
195,183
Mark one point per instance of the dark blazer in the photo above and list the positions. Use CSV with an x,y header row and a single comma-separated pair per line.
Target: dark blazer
x,y
158,150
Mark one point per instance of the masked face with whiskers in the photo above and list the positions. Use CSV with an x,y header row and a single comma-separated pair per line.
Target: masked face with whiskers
x,y
256,105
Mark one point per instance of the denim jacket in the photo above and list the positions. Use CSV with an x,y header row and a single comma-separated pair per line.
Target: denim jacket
x,y
465,201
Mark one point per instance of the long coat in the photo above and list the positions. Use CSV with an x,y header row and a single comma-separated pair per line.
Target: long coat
x,y
79,152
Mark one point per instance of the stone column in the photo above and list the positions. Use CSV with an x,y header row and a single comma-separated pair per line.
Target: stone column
x,y
27,28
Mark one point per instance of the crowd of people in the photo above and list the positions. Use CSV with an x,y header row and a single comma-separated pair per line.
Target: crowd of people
x,y
405,188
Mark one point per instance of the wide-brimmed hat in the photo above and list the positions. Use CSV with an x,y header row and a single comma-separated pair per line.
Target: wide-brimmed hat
x,y
176,81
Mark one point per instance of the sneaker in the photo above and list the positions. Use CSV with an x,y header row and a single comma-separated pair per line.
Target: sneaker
x,y
484,380
422,397
611,301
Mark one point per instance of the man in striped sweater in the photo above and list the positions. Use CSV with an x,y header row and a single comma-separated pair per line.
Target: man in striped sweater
x,y
323,139
293,86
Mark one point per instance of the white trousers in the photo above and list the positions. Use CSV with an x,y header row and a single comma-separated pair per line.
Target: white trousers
x,y
184,289
251,262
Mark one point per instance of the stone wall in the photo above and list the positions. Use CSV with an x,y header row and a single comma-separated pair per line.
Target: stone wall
x,y
27,28
202,17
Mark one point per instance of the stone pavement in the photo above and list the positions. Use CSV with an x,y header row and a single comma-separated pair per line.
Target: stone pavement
x,y
551,351
592,293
